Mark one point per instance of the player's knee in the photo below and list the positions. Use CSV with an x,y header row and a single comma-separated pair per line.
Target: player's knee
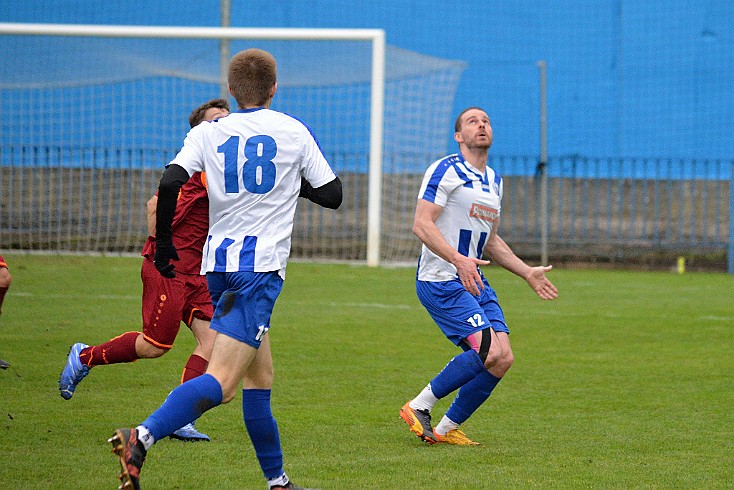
x,y
505,361
493,356
5,279
230,389
149,351
228,395
261,380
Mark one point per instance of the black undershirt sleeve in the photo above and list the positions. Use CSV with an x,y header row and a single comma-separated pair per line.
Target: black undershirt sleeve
x,y
328,195
173,178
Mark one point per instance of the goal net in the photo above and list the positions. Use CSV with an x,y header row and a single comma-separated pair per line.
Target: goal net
x,y
88,123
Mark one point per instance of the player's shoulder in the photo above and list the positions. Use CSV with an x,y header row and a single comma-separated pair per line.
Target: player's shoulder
x,y
443,165
290,119
199,130
289,122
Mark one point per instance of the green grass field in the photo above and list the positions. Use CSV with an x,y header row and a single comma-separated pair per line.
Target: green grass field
x,y
625,381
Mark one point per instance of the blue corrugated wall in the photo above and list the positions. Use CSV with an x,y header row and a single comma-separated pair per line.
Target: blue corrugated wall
x,y
625,78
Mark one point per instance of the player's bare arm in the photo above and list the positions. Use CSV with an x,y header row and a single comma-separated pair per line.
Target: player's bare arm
x,y
151,207
424,227
502,255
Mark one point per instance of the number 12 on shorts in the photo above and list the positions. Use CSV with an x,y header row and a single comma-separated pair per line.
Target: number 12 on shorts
x,y
476,320
261,331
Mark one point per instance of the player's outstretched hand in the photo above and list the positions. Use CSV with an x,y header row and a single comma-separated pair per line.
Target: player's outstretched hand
x,y
540,284
165,252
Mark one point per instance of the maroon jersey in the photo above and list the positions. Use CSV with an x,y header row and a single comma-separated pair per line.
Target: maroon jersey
x,y
190,226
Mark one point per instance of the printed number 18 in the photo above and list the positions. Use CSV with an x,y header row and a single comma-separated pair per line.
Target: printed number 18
x,y
258,171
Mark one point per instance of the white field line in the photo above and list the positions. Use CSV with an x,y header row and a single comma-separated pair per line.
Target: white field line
x,y
124,297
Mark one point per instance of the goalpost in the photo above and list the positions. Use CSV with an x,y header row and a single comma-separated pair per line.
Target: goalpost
x,y
108,105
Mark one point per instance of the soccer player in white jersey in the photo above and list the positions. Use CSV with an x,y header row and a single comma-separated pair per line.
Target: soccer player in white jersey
x,y
456,218
257,162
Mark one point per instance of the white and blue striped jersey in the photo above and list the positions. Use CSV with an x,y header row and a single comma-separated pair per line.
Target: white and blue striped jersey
x,y
254,160
471,208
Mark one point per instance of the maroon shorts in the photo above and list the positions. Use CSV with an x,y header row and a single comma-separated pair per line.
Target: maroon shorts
x,y
168,302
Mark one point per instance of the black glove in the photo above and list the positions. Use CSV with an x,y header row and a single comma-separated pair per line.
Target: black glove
x,y
165,252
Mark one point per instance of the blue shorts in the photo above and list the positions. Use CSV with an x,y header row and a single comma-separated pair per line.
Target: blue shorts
x,y
243,303
457,312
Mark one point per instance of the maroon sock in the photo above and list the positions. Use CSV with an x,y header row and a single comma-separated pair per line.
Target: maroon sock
x,y
114,351
2,297
195,366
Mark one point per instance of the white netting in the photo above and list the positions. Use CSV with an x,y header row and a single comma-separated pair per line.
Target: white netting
x,y
87,124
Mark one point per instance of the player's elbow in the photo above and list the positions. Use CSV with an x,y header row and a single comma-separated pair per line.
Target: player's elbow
x,y
333,203
329,195
152,204
419,229
174,177
337,195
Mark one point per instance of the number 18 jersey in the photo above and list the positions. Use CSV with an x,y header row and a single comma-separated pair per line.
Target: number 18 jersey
x,y
471,208
254,160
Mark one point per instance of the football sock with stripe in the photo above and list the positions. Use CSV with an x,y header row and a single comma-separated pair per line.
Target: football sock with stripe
x,y
459,371
184,404
263,431
114,351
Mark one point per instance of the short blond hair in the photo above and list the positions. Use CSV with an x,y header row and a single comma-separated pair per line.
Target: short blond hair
x,y
251,77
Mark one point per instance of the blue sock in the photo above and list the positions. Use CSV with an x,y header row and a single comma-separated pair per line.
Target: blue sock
x,y
263,431
471,396
184,404
460,370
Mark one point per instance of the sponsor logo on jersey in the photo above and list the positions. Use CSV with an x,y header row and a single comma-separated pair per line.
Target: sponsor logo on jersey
x,y
484,213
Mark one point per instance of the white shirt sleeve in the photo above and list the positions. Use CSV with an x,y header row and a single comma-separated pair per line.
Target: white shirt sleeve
x,y
314,166
190,155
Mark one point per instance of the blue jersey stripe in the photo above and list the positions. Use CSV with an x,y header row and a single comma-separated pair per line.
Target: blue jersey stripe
x,y
464,242
247,254
468,181
480,245
220,255
438,173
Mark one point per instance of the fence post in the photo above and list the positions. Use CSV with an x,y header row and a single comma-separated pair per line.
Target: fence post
x,y
542,164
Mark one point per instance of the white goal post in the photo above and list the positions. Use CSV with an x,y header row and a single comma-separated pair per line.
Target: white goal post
x,y
374,36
